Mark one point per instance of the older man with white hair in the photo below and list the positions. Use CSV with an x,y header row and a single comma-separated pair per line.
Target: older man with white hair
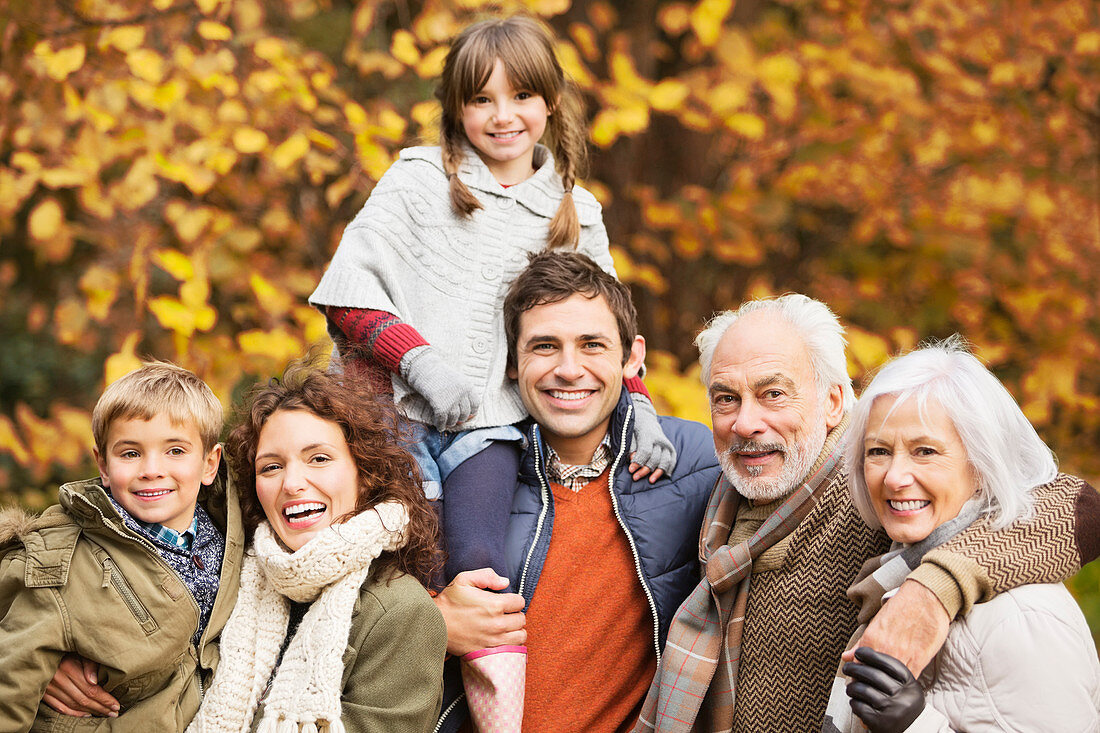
x,y
756,644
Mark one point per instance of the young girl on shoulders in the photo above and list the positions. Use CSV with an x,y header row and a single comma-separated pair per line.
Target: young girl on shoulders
x,y
413,294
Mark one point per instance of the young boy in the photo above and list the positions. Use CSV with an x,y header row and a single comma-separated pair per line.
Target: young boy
x,y
126,570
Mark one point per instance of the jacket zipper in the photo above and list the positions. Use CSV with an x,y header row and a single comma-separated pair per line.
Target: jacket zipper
x,y
633,548
544,492
149,545
445,713
137,608
134,537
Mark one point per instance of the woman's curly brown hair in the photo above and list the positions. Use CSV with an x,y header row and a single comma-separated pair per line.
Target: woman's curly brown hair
x,y
376,437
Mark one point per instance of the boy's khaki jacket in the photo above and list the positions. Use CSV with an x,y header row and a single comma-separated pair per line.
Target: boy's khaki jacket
x,y
77,579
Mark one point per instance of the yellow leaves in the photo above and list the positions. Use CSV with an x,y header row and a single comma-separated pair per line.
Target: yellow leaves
x,y
1039,205
53,440
339,190
1087,43
610,123
274,301
47,226
624,74
197,178
62,439
175,263
1003,74
100,287
985,132
548,8
124,38
674,18
638,273
403,48
676,393
362,18
707,18
1051,379
189,222
667,95
740,247
269,48
430,65
573,67
249,140
747,125
290,151
779,75
146,64
661,215
866,351
778,70
314,324
59,63
277,347
45,220
213,31
138,187
390,124
10,442
177,316
356,116
70,321
426,114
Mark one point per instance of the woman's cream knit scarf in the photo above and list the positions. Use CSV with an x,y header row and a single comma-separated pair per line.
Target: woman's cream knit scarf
x,y
326,572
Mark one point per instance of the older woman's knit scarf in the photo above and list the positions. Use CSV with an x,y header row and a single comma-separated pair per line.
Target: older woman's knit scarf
x,y
327,572
878,580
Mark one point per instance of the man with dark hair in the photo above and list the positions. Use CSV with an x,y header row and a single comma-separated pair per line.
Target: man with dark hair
x,y
599,560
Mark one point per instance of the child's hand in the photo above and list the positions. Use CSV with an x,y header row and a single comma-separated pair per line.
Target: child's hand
x,y
449,393
650,449
74,690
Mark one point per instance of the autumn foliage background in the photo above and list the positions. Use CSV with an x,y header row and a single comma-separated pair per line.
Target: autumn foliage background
x,y
175,174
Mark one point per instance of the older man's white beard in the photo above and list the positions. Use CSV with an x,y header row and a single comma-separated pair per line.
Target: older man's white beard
x,y
797,461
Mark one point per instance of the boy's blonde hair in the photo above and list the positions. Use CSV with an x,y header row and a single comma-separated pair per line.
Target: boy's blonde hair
x,y
159,387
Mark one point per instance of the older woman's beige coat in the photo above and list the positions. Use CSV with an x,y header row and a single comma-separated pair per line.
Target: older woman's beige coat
x,y
1024,661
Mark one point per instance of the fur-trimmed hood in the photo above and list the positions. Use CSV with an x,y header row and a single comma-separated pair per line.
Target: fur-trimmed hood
x,y
15,523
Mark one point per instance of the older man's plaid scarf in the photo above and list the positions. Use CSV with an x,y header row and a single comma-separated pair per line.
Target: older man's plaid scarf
x,y
696,684
878,579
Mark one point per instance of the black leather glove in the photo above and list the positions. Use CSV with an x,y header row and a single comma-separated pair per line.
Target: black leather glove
x,y
883,692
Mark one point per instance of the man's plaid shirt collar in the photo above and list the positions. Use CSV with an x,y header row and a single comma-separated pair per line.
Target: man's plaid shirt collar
x,y
576,478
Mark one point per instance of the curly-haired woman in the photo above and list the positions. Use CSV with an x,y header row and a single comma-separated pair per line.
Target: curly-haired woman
x,y
333,627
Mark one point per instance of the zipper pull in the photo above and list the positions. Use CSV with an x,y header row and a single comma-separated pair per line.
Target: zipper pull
x,y
106,574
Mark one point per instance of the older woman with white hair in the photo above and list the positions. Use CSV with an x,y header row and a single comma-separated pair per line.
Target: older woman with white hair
x,y
936,442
